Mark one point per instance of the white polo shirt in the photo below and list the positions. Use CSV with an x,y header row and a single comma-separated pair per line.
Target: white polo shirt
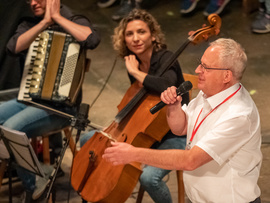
x,y
231,135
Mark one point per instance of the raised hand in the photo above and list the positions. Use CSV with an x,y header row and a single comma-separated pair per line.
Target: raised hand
x,y
169,96
132,64
47,16
55,8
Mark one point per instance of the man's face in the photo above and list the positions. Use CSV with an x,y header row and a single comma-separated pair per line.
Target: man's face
x,y
38,7
211,81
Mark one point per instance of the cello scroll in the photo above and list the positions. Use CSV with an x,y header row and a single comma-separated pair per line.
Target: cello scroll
x,y
204,33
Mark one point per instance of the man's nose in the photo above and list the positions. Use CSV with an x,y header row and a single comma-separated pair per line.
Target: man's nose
x,y
199,69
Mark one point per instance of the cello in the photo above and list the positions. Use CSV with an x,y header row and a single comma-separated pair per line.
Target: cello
x,y
97,180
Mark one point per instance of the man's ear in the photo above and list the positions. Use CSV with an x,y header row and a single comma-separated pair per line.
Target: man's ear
x,y
227,76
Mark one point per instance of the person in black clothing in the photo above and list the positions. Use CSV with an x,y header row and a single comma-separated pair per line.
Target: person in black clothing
x,y
140,42
51,15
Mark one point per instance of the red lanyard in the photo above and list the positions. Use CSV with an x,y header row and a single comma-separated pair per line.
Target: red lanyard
x,y
195,129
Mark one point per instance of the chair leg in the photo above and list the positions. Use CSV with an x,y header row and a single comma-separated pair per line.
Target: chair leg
x,y
9,181
46,150
46,147
181,189
3,168
140,195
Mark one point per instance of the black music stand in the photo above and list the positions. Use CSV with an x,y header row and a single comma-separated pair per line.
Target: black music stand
x,y
20,151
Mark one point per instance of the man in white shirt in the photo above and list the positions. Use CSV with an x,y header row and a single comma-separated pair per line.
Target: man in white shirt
x,y
223,158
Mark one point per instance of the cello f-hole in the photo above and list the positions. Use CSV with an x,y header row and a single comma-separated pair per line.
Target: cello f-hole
x,y
124,137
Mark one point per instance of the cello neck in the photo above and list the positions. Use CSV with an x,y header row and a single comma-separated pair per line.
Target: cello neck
x,y
125,111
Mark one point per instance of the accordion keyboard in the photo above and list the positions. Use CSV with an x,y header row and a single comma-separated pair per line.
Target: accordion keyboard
x,y
50,67
28,70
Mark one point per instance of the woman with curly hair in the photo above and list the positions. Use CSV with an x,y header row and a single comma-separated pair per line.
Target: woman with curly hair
x,y
140,42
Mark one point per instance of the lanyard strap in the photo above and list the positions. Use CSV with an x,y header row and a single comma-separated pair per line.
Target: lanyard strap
x,y
195,129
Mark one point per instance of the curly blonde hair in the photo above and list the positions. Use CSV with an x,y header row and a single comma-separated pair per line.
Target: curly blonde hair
x,y
118,38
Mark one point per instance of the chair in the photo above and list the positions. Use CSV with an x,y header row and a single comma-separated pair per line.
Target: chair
x,y
45,143
181,190
194,80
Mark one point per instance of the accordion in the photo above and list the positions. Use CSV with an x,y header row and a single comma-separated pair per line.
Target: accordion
x,y
54,69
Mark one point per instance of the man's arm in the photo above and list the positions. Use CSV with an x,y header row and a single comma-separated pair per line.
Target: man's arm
x,y
122,153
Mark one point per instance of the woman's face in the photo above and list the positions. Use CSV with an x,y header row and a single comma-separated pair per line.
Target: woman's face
x,y
138,37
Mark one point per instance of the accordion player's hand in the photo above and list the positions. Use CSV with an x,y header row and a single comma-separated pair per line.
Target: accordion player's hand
x,y
47,16
55,8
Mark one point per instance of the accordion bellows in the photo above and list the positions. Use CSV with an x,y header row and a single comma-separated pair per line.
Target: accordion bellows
x,y
53,69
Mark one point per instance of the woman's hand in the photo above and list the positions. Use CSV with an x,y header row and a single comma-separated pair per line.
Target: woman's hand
x,y
132,64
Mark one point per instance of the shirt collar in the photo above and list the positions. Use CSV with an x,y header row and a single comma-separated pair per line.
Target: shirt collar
x,y
216,99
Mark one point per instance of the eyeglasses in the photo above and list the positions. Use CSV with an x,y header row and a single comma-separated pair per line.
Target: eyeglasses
x,y
204,67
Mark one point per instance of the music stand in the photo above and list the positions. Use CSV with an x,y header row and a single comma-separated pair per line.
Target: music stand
x,y
21,151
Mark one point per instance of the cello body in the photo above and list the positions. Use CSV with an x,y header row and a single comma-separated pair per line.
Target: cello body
x,y
106,182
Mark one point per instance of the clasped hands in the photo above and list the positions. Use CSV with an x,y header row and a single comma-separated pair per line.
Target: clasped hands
x,y
52,11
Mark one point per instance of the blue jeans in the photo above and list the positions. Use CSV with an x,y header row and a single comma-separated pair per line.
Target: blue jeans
x,y
34,122
151,178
